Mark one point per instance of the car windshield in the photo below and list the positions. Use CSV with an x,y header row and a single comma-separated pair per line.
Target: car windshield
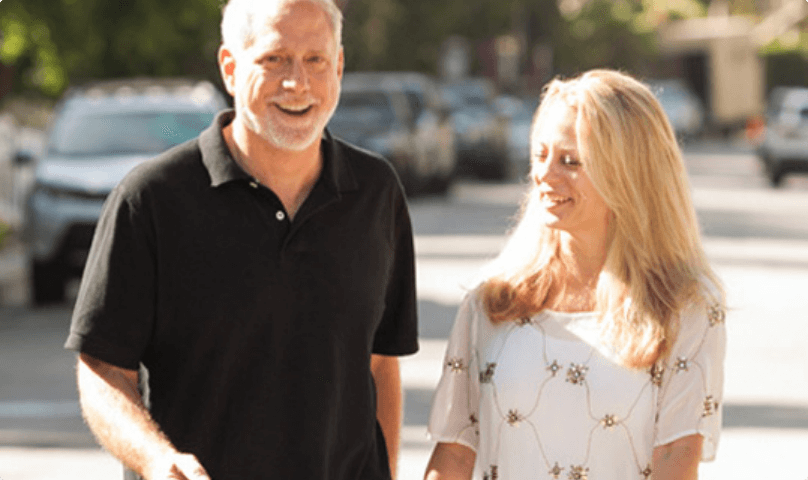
x,y
371,109
470,94
126,133
416,103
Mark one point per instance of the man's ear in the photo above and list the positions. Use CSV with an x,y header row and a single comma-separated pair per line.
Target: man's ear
x,y
340,62
227,68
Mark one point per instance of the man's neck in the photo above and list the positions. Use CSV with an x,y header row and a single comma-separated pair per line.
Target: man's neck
x,y
291,175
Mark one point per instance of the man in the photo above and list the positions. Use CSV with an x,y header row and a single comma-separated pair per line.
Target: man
x,y
261,275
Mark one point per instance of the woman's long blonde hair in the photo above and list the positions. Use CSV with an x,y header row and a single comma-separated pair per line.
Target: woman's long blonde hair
x,y
655,264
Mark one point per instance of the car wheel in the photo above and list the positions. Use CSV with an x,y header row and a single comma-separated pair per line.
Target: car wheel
x,y
496,170
775,174
440,185
47,282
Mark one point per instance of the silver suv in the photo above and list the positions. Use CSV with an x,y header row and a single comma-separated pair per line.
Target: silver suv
x,y
99,133
784,148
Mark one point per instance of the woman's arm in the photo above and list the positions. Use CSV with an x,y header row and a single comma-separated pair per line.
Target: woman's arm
x,y
450,461
678,460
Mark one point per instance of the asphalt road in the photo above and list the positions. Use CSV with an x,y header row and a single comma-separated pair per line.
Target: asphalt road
x,y
756,237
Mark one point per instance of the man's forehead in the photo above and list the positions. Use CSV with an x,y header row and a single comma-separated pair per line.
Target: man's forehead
x,y
267,17
270,12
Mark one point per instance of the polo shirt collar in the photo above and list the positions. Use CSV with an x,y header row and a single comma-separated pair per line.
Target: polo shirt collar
x,y
337,174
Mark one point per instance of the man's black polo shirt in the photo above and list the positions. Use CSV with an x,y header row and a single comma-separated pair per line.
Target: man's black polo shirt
x,y
256,331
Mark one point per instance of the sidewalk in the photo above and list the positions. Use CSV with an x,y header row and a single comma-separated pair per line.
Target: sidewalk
x,y
765,434
743,454
13,292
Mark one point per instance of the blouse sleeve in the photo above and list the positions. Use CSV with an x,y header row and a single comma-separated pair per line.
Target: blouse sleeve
x,y
691,390
454,416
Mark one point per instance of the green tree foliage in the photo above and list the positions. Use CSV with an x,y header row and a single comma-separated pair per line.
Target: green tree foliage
x,y
52,42
605,33
408,34
29,50
582,34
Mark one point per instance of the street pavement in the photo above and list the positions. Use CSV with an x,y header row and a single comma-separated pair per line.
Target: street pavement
x,y
757,239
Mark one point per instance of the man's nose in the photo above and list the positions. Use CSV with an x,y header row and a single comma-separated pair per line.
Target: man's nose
x,y
295,77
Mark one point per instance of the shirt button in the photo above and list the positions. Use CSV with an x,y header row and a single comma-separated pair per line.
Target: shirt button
x,y
280,215
253,184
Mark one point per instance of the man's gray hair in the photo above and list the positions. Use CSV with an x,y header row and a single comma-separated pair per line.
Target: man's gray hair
x,y
238,28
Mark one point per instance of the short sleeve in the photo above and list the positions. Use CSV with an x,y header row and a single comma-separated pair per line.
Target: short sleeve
x,y
113,316
692,386
397,333
455,406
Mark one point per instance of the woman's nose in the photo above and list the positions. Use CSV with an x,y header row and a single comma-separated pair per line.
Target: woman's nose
x,y
544,171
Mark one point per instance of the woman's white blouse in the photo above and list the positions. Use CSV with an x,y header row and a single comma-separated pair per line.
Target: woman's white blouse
x,y
543,398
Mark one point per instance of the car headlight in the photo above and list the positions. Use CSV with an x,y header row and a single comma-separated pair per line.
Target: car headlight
x,y
389,144
60,193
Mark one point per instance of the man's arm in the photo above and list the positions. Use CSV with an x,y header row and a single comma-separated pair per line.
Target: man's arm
x,y
387,376
678,460
450,461
115,413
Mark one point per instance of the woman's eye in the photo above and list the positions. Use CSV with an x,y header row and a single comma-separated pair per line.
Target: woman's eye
x,y
568,159
540,155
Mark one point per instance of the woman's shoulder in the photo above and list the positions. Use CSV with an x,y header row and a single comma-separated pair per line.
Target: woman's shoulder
x,y
472,301
702,318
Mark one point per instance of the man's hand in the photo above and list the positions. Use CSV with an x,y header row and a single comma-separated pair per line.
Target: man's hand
x,y
179,466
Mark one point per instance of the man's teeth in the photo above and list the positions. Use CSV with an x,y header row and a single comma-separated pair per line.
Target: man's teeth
x,y
295,108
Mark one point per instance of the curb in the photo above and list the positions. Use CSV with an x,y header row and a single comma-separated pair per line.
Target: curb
x,y
46,439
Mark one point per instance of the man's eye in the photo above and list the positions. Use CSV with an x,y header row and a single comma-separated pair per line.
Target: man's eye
x,y
272,59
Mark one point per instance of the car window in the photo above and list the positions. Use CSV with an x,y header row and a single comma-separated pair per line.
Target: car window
x,y
126,133
416,103
470,94
369,108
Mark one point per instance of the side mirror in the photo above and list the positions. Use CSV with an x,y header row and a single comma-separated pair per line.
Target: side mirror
x,y
23,158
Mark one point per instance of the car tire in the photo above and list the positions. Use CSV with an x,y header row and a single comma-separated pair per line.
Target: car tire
x,y
440,185
495,168
775,175
47,283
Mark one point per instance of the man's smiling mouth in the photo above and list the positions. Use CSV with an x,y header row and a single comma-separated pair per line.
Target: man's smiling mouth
x,y
295,110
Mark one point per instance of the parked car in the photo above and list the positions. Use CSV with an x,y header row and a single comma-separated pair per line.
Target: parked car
x,y
100,131
395,116
481,131
784,148
434,127
519,112
684,108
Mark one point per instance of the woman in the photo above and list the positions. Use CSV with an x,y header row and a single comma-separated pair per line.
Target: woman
x,y
594,349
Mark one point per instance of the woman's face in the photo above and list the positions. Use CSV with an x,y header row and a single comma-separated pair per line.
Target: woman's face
x,y
567,196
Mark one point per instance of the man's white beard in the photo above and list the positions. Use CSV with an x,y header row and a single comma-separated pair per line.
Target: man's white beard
x,y
284,137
